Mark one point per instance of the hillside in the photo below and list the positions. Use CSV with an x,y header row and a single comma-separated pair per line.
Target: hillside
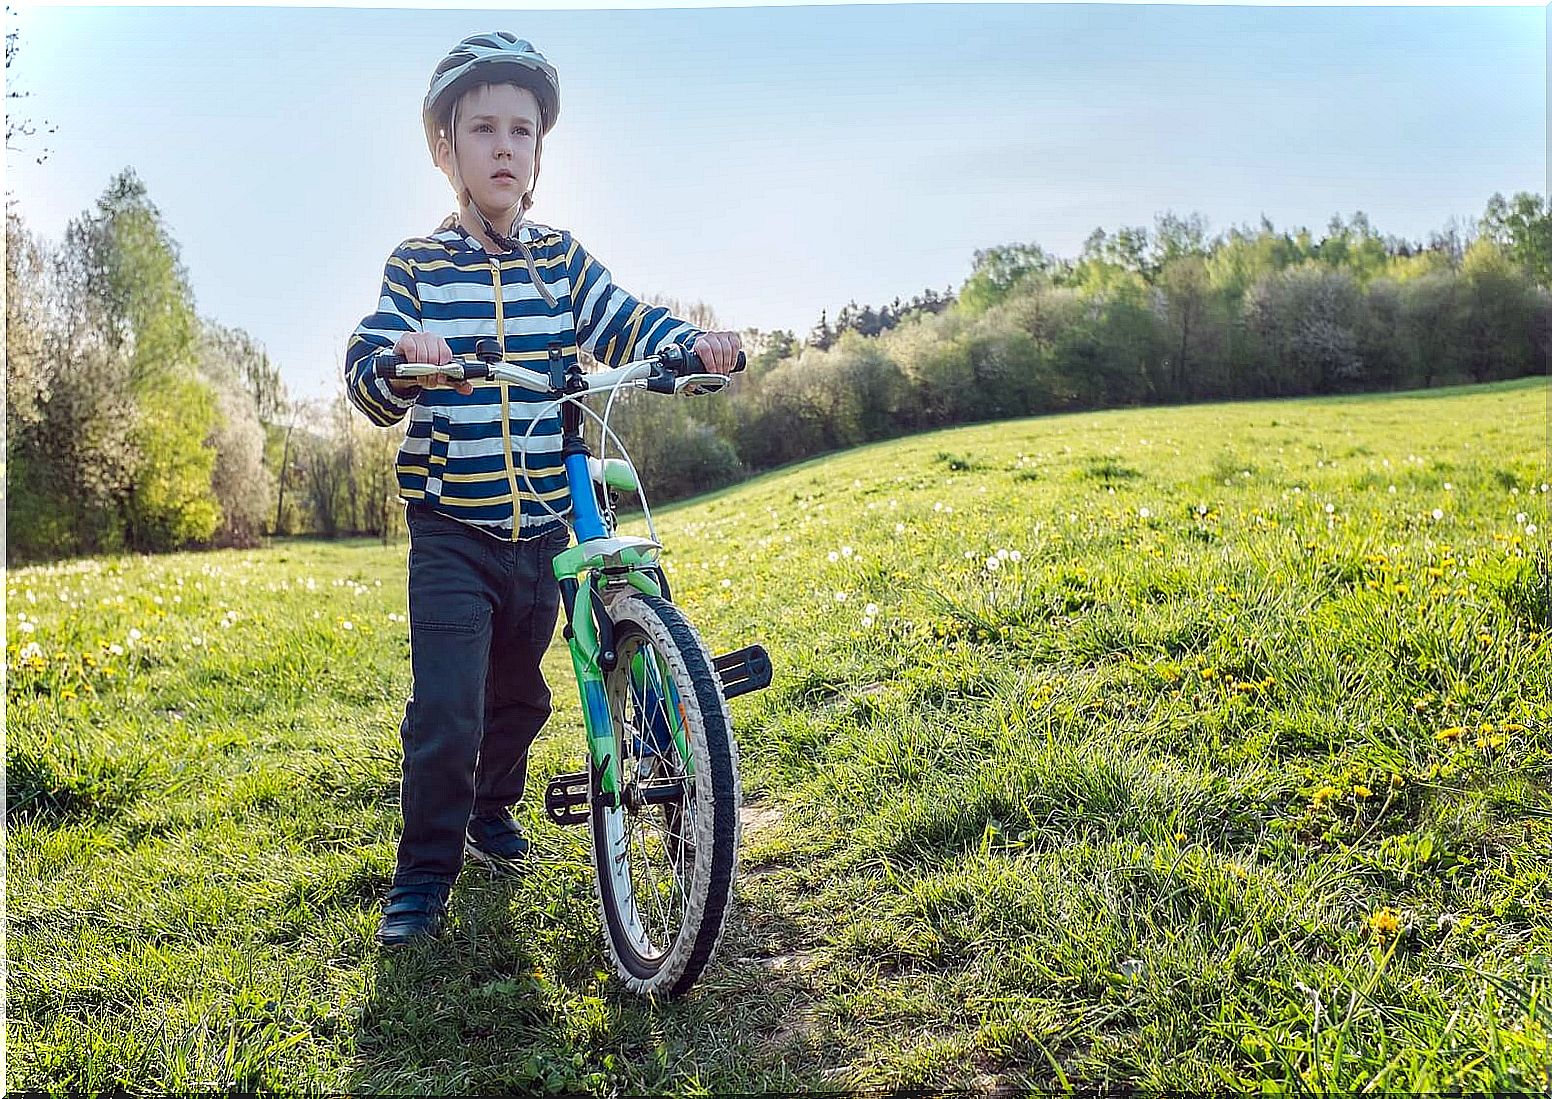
x,y
1173,748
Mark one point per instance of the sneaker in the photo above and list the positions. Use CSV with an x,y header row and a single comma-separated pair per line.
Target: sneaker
x,y
413,912
497,840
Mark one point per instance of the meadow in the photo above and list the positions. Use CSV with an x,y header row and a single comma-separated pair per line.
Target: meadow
x,y
1173,749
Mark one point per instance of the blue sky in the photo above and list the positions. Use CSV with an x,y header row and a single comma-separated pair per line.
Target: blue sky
x,y
771,161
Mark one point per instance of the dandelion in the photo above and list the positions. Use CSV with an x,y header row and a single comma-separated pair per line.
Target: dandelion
x,y
1519,518
870,610
841,597
1385,924
1237,870
1002,555
157,599
1015,556
1361,791
31,651
846,551
992,564
26,627
1180,837
834,556
938,506
899,528
1448,487
1330,509
867,621
1392,490
1438,513
1450,735
196,641
1396,781
1144,513
115,650
347,624
1323,795
1530,528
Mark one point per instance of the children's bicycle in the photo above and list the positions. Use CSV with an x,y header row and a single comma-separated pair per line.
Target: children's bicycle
x,y
660,792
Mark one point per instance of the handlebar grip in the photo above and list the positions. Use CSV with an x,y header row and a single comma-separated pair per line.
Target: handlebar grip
x,y
386,364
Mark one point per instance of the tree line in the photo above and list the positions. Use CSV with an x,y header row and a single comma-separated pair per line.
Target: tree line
x,y
1143,315
135,424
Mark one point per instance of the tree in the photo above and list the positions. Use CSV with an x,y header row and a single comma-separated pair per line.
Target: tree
x,y
16,127
1522,227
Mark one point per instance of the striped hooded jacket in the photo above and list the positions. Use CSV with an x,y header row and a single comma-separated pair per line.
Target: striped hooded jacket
x,y
458,452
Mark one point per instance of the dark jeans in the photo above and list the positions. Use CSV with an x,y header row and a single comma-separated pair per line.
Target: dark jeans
x,y
482,613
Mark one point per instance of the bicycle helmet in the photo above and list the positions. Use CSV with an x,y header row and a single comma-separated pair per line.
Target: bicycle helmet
x,y
499,57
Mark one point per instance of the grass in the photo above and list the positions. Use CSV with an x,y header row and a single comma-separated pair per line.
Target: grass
x,y
1178,749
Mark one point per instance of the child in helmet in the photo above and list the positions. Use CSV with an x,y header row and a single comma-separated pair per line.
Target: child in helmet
x,y
483,599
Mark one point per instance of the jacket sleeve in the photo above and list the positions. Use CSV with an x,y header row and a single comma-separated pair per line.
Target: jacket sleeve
x,y
398,312
611,324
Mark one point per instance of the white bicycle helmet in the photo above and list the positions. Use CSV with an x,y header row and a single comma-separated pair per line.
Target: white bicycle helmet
x,y
499,57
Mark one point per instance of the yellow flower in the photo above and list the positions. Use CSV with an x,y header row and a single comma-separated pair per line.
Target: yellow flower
x,y
1237,870
1209,673
1396,782
1323,795
1487,726
1386,923
1485,638
1180,837
1449,735
1361,791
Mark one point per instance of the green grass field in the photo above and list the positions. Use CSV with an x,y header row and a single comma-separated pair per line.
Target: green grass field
x,y
1170,748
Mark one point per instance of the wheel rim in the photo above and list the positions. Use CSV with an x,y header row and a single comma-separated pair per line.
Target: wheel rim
x,y
651,834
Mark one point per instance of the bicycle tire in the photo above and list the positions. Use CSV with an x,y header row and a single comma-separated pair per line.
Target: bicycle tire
x,y
650,627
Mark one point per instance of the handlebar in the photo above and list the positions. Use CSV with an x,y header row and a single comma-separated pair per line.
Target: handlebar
x,y
674,369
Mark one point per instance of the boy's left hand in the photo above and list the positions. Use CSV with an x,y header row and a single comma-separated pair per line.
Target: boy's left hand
x,y
718,351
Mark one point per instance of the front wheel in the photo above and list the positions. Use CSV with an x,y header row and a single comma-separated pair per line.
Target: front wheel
x,y
666,852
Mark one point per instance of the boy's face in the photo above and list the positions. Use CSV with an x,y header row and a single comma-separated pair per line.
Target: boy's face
x,y
497,135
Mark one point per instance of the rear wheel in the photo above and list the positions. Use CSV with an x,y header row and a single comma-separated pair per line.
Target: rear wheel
x,y
666,854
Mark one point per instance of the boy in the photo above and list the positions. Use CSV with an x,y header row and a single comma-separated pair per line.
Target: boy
x,y
483,599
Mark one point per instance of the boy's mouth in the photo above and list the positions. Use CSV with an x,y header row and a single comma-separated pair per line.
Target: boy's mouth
x,y
503,174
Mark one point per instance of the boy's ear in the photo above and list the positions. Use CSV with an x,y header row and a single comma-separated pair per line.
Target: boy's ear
x,y
444,156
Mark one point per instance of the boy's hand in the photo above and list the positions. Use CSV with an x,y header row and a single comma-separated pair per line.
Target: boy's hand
x,y
426,347
718,351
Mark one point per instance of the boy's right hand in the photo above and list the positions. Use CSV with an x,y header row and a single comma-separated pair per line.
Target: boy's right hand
x,y
426,347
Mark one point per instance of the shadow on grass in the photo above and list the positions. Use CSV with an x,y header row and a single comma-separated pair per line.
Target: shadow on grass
x,y
518,993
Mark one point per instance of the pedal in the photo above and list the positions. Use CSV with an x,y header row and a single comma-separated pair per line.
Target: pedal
x,y
565,798
743,670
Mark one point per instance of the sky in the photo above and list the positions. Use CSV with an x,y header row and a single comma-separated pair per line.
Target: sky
x,y
772,162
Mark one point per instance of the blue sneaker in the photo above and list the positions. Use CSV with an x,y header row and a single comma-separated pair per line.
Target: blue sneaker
x,y
497,841
413,913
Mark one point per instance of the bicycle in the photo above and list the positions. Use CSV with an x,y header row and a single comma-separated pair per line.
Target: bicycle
x,y
660,792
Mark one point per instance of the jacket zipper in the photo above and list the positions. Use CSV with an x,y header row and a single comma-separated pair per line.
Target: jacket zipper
x,y
506,414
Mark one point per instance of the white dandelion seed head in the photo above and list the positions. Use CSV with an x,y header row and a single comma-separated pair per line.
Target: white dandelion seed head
x,y
1438,513
992,564
870,609
1015,556
834,556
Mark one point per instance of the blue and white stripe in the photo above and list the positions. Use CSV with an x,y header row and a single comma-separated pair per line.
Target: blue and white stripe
x,y
454,455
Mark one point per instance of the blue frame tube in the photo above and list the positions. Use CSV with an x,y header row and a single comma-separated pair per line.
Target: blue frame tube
x,y
585,519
